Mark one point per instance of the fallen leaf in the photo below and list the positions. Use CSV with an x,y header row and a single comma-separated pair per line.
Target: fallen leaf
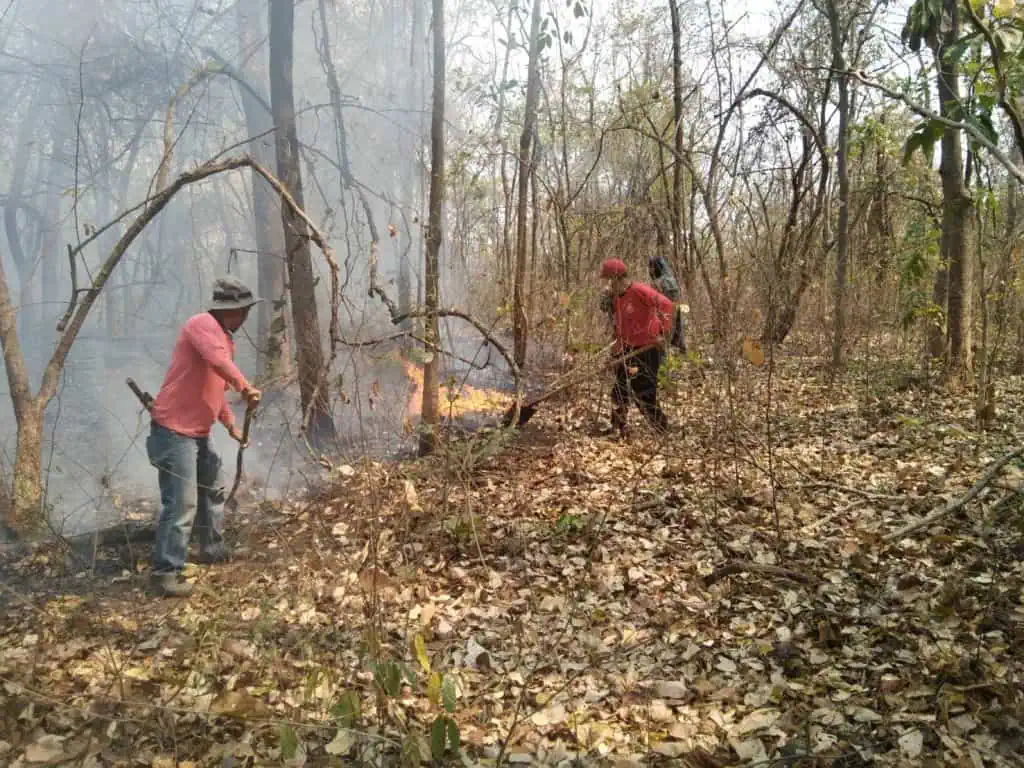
x,y
911,743
239,704
725,664
342,742
47,749
476,655
757,720
661,712
671,749
412,500
751,750
670,689
553,715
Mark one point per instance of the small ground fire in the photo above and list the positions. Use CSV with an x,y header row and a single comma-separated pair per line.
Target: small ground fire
x,y
456,400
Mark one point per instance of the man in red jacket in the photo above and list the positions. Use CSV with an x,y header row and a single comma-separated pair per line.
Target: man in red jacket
x,y
643,320
190,400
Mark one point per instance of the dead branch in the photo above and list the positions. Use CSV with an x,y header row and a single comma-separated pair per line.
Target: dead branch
x,y
745,566
183,90
481,329
959,503
874,495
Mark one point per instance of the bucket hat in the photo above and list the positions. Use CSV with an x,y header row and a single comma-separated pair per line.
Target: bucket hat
x,y
231,293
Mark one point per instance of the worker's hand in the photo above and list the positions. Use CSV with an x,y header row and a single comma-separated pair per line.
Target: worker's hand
x,y
236,435
252,396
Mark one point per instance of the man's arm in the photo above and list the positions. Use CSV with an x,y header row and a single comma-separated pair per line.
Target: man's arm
x,y
226,416
208,340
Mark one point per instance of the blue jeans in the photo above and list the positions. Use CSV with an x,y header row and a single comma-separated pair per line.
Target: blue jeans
x,y
189,493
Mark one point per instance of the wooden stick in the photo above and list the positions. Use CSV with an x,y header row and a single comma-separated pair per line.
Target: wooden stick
x,y
956,504
744,566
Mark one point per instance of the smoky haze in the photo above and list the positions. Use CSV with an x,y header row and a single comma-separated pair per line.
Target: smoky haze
x,y
82,140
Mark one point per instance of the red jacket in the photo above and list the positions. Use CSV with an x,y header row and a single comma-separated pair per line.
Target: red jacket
x,y
642,316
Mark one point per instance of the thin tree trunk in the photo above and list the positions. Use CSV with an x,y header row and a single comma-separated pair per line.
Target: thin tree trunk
x,y
679,259
413,145
271,318
519,320
16,189
429,413
312,376
842,157
956,205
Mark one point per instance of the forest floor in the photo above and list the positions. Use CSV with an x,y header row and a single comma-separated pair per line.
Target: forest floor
x,y
554,600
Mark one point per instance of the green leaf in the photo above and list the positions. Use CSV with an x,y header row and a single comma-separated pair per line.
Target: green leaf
x,y
923,138
454,738
348,709
287,741
419,648
1003,8
437,736
411,754
578,11
448,693
434,689
389,677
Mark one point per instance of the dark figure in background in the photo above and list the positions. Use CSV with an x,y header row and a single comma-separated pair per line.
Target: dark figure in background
x,y
665,282
642,319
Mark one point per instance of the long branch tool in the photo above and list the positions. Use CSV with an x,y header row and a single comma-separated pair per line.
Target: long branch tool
x,y
576,376
144,397
231,504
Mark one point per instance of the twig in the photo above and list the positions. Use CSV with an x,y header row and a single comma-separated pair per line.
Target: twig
x,y
850,489
956,504
744,566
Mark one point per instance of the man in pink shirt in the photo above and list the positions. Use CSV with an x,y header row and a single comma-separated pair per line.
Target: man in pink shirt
x,y
191,398
642,319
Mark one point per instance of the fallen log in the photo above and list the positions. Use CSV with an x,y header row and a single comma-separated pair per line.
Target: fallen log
x,y
959,503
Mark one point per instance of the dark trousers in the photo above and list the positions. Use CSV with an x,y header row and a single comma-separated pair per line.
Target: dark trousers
x,y
640,387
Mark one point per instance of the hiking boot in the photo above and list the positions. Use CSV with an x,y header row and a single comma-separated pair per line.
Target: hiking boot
x,y
169,585
222,555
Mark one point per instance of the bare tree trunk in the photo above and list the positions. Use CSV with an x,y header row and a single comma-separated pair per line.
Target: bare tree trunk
x,y
956,205
505,269
306,324
429,413
679,256
519,320
842,157
16,190
413,145
26,497
271,322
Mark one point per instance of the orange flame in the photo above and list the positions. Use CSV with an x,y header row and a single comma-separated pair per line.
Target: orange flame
x,y
456,400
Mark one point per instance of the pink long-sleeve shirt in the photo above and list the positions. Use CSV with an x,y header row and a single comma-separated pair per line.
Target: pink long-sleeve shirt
x,y
202,369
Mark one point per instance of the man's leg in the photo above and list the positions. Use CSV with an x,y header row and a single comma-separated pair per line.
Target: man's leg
x,y
645,387
210,517
174,456
620,397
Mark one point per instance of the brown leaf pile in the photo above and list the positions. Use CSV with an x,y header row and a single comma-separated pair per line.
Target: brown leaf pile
x,y
567,585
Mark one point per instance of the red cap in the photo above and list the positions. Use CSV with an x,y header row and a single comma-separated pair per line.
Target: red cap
x,y
613,268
